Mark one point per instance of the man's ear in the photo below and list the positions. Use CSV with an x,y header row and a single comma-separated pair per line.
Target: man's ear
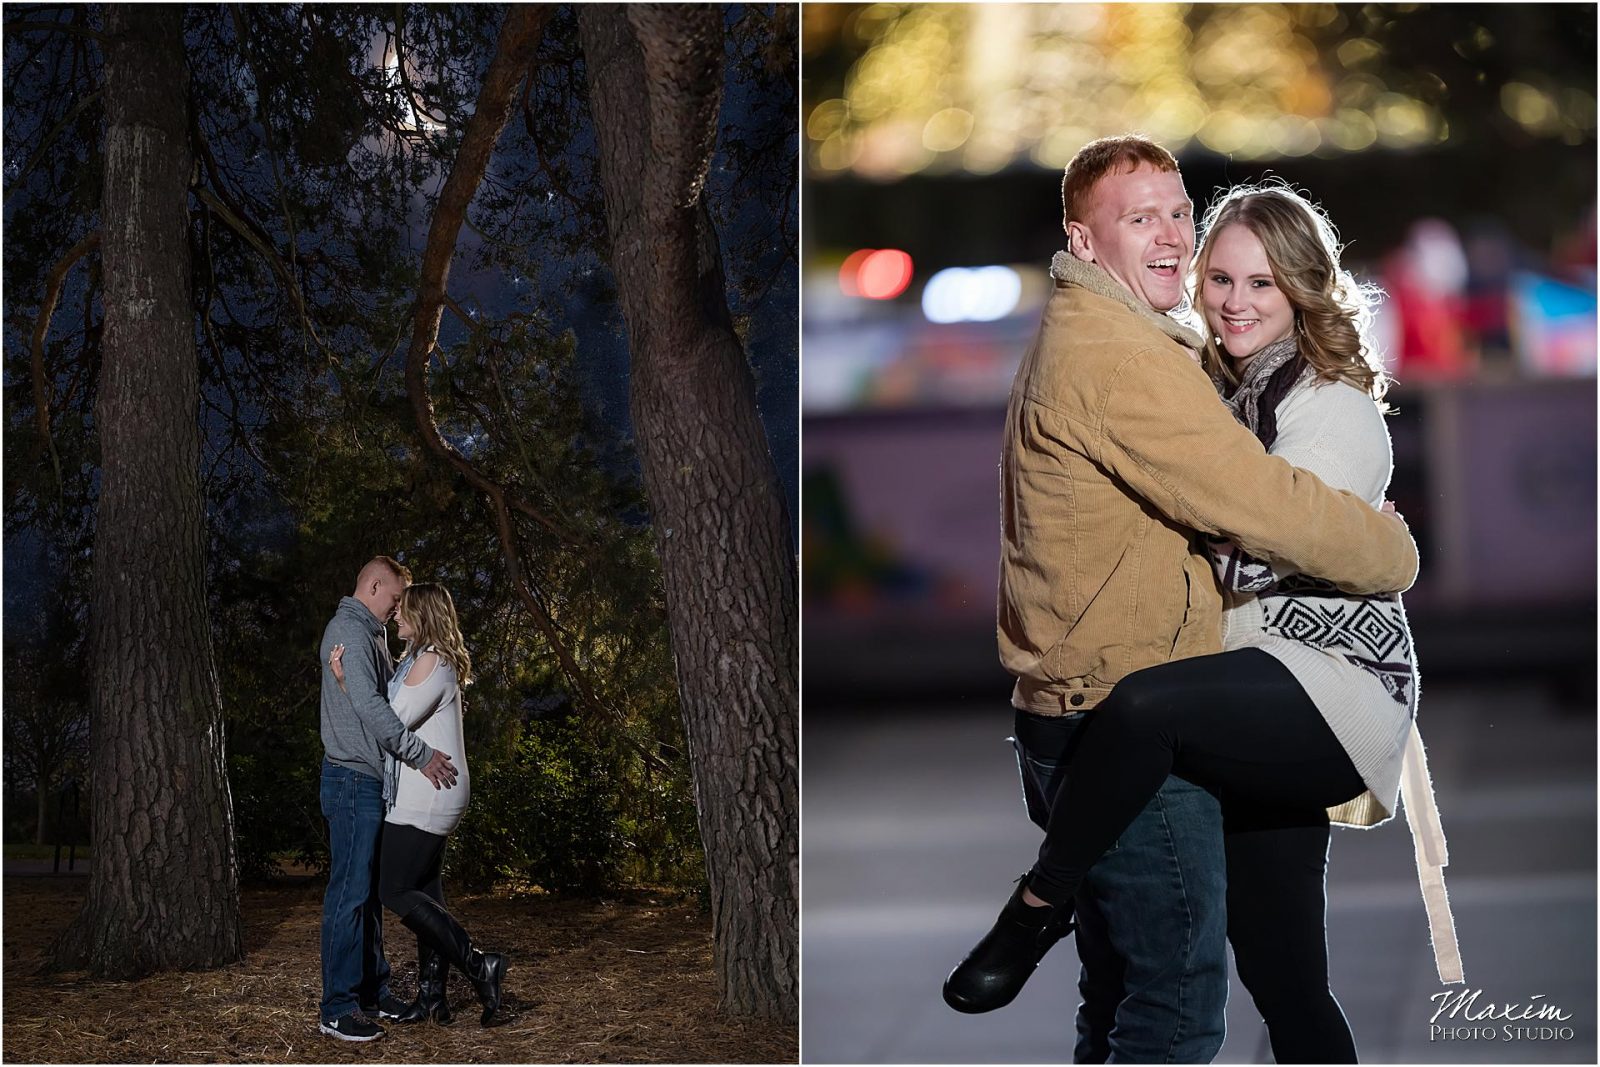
x,y
1079,243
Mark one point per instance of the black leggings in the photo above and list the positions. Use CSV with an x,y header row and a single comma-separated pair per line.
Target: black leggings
x,y
410,865
1239,724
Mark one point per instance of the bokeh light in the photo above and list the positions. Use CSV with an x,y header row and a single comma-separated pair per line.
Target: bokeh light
x,y
875,273
977,88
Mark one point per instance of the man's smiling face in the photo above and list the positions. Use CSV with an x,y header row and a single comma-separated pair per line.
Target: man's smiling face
x,y
1140,230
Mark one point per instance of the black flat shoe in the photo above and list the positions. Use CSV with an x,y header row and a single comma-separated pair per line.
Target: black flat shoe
x,y
996,969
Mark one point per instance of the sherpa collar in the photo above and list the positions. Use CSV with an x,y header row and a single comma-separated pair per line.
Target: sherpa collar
x,y
1066,267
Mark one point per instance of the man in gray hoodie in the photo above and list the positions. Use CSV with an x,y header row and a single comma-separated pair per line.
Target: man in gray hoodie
x,y
358,727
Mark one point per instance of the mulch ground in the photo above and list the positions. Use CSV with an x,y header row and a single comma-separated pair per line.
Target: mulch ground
x,y
628,979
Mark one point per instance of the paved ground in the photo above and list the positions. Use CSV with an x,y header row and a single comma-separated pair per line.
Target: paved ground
x,y
913,827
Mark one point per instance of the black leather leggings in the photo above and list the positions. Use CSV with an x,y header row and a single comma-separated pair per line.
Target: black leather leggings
x,y
410,866
1239,724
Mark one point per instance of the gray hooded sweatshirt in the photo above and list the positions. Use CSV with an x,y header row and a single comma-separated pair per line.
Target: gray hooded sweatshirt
x,y
357,729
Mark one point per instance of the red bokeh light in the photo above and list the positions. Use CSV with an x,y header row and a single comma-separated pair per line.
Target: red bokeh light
x,y
875,273
884,274
849,282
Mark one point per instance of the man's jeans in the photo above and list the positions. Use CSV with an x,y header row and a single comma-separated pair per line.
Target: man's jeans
x,y
354,971
1152,916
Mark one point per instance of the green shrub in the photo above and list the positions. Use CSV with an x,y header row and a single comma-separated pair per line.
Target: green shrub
x,y
547,814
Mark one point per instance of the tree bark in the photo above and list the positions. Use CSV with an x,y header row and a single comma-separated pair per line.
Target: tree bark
x,y
655,83
43,813
163,889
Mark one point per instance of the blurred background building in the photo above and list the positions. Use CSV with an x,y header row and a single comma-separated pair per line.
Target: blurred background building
x,y
1454,148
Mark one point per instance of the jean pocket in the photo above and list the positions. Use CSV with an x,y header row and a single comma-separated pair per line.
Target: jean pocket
x,y
328,793
1043,775
1038,783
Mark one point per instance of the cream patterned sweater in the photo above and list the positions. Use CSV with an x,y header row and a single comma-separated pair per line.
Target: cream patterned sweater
x,y
1352,655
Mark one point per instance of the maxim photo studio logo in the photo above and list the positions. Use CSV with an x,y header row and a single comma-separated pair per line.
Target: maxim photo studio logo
x,y
1459,1016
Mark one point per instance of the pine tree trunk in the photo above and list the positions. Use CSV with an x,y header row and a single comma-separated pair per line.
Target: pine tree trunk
x,y
163,889
41,833
727,554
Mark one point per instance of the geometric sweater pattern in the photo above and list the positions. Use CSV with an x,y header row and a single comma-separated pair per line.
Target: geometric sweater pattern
x,y
1368,631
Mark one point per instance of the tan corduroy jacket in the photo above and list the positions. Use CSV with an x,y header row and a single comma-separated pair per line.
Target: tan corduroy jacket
x,y
1117,449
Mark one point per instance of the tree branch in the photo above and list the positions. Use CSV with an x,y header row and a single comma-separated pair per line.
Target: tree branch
x,y
262,245
41,327
272,152
422,114
519,38
60,27
49,138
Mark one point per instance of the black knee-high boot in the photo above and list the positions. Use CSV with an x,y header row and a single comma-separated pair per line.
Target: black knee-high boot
x,y
432,970
486,970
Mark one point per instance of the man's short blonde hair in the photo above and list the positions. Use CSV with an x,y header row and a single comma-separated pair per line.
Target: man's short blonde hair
x,y
1108,155
395,567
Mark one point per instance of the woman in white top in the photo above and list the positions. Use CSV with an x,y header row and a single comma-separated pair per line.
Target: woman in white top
x,y
1309,713
425,693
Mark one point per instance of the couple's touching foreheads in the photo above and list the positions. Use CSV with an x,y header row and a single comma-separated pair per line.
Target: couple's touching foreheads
x,y
1199,601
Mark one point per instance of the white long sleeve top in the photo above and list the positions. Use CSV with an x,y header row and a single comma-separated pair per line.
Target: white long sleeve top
x,y
432,710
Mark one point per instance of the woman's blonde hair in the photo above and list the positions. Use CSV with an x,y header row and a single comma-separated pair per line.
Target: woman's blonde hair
x,y
432,614
1333,312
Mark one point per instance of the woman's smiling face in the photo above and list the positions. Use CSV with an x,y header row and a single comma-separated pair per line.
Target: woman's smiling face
x,y
402,625
1239,295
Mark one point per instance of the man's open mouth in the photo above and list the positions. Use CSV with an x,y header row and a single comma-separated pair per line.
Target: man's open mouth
x,y
1165,268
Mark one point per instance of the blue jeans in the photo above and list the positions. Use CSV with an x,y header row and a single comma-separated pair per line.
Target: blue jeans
x,y
1152,916
354,971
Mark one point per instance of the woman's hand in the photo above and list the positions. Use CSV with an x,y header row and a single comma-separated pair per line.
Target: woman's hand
x,y
1388,509
336,661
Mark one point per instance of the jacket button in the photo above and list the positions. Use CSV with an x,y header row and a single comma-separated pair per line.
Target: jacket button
x,y
1076,700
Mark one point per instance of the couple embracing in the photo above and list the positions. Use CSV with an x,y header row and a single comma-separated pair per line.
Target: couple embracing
x,y
394,785
1199,598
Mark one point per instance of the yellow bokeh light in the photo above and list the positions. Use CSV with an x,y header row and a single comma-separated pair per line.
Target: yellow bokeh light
x,y
827,118
1359,91
1060,145
1577,107
978,87
891,150
947,130
838,152
1358,52
872,21
1351,130
1174,122
1531,107
1225,131
1402,121
1295,136
1318,16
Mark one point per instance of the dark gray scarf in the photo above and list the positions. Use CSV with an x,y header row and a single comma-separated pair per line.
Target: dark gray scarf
x,y
1267,379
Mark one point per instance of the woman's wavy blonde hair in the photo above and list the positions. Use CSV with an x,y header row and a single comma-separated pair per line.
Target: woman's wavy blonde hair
x,y
1333,312
432,614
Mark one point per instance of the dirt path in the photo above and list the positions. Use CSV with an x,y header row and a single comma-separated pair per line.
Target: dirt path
x,y
622,980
